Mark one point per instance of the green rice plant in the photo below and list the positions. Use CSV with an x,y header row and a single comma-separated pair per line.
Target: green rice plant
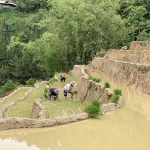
x,y
96,103
117,92
94,79
106,85
75,92
115,99
90,78
62,107
98,80
93,109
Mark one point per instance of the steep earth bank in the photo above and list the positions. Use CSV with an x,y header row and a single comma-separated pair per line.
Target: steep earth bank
x,y
133,56
128,73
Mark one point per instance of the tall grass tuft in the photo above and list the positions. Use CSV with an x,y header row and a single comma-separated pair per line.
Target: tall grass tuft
x,y
93,109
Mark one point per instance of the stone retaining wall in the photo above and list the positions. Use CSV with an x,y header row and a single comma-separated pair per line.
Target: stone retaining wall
x,y
140,45
112,106
133,56
127,73
6,107
16,123
39,111
89,90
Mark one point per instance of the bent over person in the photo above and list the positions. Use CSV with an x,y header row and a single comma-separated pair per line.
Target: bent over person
x,y
68,89
53,93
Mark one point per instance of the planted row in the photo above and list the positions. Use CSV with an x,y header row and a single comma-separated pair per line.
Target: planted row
x,y
106,84
94,79
116,95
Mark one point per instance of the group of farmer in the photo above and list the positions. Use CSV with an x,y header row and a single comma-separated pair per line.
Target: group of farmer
x,y
68,88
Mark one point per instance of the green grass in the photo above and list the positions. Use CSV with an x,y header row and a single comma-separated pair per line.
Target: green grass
x,y
24,108
63,107
15,96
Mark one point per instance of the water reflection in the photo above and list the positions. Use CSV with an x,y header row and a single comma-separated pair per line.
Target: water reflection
x,y
14,144
11,144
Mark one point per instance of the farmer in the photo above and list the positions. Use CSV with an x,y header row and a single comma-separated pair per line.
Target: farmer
x,y
53,92
62,77
68,89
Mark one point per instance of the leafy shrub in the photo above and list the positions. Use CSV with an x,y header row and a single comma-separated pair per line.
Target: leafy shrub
x,y
9,86
94,79
117,92
93,109
115,98
30,82
1,92
106,85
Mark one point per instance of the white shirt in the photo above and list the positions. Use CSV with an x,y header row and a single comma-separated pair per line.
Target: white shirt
x,y
68,87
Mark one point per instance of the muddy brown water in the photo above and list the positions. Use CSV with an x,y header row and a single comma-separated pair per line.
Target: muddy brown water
x,y
125,129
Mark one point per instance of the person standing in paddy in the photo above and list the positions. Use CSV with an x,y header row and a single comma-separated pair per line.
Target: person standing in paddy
x,y
68,89
63,77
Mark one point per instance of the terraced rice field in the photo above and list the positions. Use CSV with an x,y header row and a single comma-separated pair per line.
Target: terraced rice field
x,y
62,107
24,108
15,96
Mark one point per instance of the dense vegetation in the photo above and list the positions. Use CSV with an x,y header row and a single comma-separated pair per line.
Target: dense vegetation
x,y
41,37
